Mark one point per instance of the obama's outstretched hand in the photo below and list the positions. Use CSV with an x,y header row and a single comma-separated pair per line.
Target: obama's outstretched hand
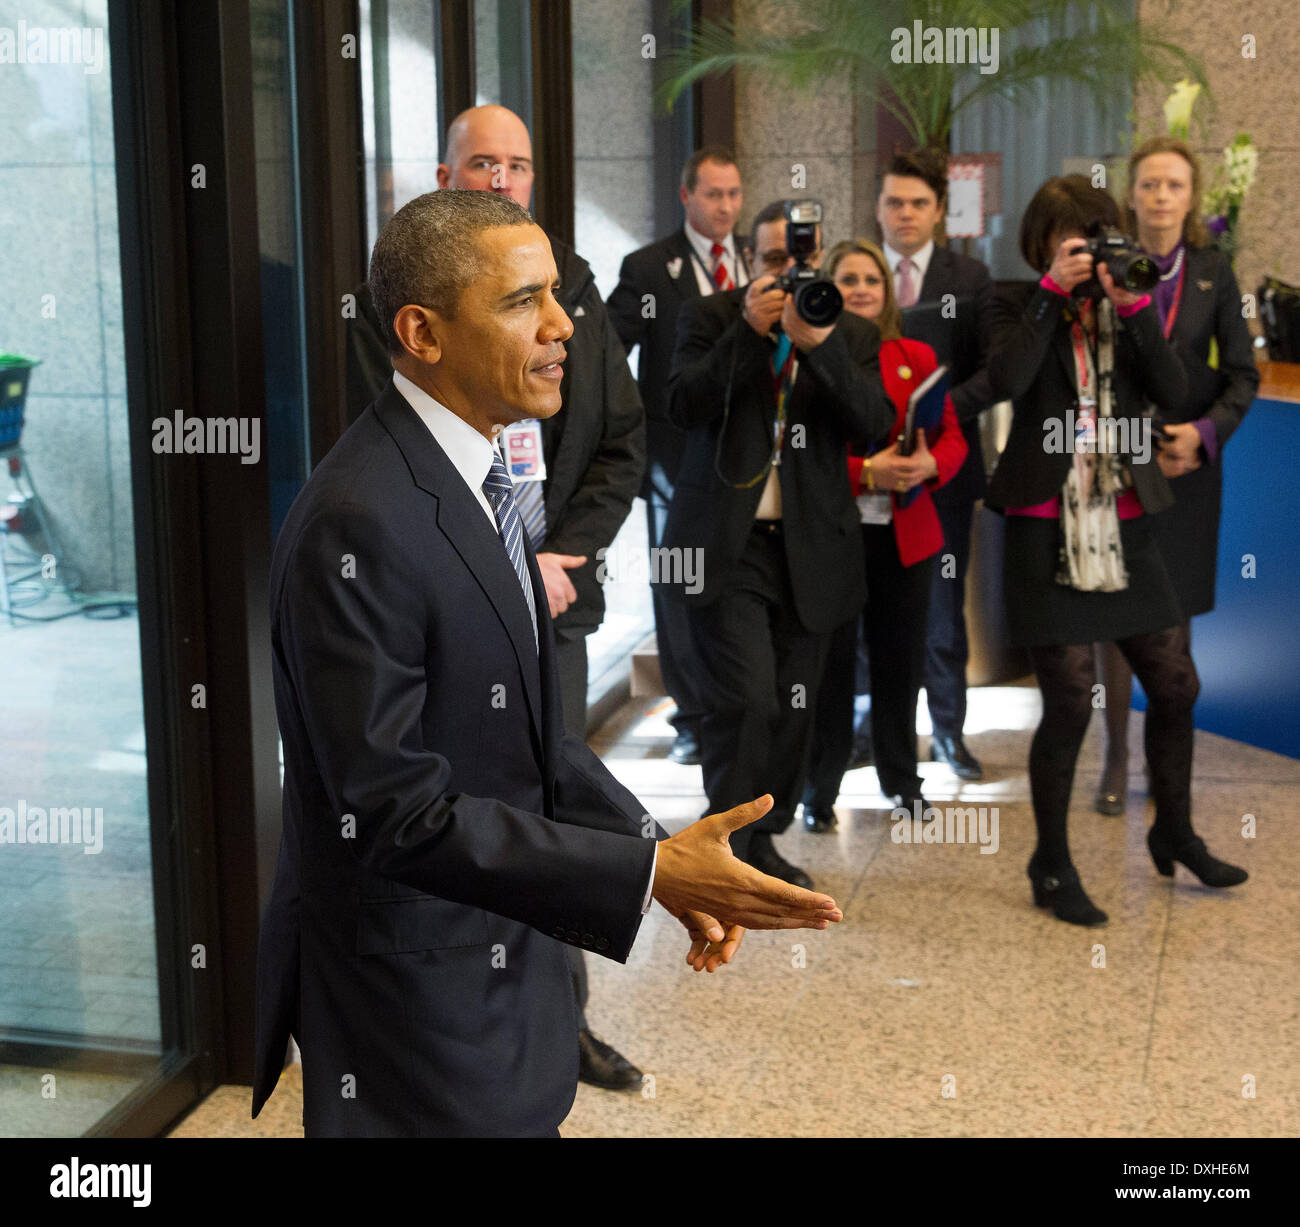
x,y
716,896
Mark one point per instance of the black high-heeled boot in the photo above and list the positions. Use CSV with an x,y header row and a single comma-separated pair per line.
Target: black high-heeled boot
x,y
1196,856
1062,891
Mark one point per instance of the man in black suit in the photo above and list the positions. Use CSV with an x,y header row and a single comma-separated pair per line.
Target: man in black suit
x,y
442,834
593,453
763,502
913,193
700,259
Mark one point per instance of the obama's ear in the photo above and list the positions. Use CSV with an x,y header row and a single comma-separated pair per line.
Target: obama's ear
x,y
419,330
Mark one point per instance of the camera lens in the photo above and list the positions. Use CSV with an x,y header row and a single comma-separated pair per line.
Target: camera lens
x,y
1138,274
818,302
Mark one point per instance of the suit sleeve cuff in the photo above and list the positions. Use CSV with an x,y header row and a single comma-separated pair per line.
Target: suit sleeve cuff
x,y
1134,307
1209,438
650,885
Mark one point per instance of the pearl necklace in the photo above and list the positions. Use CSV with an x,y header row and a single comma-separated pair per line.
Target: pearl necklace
x,y
1173,272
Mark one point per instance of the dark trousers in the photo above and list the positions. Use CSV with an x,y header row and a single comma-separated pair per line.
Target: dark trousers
x,y
761,669
1066,674
893,622
946,646
681,671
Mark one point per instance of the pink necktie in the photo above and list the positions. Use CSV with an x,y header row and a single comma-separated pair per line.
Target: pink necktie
x,y
906,283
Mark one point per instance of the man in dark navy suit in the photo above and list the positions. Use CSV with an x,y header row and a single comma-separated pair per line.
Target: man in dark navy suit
x,y
441,833
700,259
913,194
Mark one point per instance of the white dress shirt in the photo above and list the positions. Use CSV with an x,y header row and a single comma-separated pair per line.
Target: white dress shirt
x,y
704,249
471,455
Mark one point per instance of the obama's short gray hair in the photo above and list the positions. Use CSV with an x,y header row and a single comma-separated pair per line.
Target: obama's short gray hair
x,y
428,253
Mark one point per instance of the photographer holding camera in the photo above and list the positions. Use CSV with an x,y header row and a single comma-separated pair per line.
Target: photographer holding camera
x,y
770,383
1079,355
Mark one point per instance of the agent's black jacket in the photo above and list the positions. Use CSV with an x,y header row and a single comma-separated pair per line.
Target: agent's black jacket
x,y
594,447
837,398
1031,363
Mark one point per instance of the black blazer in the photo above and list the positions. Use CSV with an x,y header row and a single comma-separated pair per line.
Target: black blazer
x,y
594,447
963,345
442,835
837,399
1031,363
1210,308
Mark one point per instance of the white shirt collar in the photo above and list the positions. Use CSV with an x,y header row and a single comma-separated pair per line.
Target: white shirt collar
x,y
921,260
705,245
469,452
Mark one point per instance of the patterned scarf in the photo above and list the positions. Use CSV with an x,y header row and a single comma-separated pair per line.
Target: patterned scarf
x,y
1092,557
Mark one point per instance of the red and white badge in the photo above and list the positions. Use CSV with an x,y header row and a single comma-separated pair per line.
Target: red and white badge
x,y
522,447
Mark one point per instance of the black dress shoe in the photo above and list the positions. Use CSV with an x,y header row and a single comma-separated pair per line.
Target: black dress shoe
x,y
1196,856
600,1065
953,752
819,818
1062,891
686,749
909,801
766,859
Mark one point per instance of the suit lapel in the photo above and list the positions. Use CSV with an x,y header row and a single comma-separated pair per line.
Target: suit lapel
x,y
1197,303
471,535
681,257
935,281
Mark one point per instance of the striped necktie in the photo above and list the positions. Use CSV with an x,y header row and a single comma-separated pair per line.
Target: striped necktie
x,y
499,490
531,501
721,278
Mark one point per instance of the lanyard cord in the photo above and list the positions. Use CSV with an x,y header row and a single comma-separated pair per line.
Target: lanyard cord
x,y
778,435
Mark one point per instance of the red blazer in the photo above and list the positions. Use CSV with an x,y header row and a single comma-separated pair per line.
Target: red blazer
x,y
904,364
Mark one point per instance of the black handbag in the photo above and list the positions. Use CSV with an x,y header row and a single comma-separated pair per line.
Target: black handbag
x,y
1280,309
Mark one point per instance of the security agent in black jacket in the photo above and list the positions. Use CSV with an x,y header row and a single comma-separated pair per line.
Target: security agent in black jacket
x,y
594,450
771,591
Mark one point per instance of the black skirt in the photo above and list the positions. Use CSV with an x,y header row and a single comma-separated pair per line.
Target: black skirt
x,y
1040,611
1188,537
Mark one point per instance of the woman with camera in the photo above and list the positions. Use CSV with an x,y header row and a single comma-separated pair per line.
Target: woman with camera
x,y
900,539
1080,356
1199,307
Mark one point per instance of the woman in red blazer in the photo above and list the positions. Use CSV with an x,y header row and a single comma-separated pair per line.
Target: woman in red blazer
x,y
900,543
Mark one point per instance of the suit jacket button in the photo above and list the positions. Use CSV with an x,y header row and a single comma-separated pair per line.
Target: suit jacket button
x,y
572,936
588,940
559,933
602,943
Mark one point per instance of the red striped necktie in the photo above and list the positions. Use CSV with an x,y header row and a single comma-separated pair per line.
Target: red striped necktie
x,y
721,278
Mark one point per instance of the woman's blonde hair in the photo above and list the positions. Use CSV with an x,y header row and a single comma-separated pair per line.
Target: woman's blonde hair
x,y
890,319
1194,231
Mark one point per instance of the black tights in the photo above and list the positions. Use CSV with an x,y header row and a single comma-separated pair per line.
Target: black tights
x,y
1066,676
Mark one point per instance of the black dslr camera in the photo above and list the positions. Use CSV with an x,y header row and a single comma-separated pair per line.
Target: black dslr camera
x,y
1130,269
816,299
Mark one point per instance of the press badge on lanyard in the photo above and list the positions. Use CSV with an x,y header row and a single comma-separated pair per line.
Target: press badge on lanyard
x,y
522,445
1085,428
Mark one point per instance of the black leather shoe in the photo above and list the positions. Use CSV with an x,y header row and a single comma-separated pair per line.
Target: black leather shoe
x,y
863,753
909,802
600,1065
819,818
686,749
1196,856
1109,803
953,752
1062,891
766,859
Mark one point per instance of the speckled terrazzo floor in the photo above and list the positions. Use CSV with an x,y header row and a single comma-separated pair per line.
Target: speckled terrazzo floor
x,y
945,1004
